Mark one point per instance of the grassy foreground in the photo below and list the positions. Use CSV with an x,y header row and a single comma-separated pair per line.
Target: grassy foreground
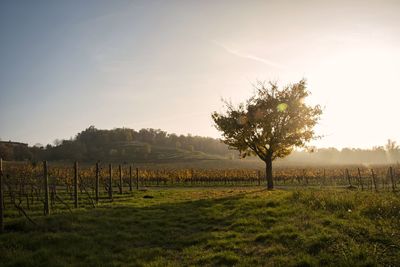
x,y
215,227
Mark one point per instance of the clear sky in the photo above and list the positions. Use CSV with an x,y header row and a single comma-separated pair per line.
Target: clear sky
x,y
65,65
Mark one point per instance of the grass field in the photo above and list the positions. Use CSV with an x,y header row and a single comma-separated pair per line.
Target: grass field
x,y
214,227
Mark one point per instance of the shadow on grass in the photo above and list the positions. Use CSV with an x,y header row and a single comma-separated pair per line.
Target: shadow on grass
x,y
241,227
203,231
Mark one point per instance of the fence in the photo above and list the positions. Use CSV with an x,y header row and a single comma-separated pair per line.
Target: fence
x,y
32,190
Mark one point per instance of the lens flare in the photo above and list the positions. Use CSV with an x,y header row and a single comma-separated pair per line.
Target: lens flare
x,y
282,107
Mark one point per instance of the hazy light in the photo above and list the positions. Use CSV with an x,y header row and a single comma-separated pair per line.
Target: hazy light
x,y
162,65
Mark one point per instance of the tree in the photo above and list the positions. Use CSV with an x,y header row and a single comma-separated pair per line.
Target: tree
x,y
391,145
392,150
270,124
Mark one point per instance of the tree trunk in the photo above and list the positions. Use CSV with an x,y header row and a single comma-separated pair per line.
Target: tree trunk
x,y
268,173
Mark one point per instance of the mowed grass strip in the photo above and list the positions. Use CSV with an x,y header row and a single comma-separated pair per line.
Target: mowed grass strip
x,y
214,227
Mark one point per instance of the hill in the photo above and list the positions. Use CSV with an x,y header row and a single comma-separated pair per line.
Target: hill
x,y
154,146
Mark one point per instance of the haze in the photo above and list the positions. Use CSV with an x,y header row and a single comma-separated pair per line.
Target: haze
x,y
166,64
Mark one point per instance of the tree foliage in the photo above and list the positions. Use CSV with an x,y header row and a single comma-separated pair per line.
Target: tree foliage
x,y
271,123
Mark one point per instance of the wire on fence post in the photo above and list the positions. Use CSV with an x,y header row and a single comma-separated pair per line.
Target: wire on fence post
x,y
130,178
348,177
46,189
360,179
137,178
392,178
97,182
110,192
76,184
1,198
373,179
305,176
120,179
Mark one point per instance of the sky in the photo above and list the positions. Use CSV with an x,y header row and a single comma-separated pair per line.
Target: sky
x,y
66,65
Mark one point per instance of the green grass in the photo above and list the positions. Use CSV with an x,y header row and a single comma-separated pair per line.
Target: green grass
x,y
214,227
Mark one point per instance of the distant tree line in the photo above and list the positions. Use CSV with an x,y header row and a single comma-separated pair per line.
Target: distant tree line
x,y
14,151
119,143
123,144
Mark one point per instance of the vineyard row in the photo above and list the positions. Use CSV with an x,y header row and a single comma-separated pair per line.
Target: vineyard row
x,y
33,190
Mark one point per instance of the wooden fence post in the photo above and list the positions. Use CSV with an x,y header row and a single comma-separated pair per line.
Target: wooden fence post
x,y
76,184
373,179
130,178
120,179
305,176
392,178
259,177
1,198
46,189
360,179
137,178
110,192
54,190
97,182
348,177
